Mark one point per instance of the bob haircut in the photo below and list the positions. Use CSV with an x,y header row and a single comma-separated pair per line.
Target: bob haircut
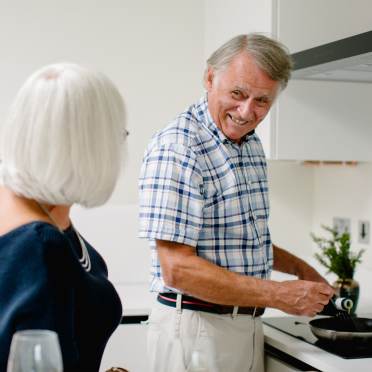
x,y
62,141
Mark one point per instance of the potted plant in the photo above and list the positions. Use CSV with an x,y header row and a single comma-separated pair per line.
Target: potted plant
x,y
337,257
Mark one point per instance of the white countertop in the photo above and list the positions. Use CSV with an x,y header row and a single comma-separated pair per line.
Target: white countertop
x,y
312,355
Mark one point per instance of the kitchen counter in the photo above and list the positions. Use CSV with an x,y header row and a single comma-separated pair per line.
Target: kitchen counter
x,y
312,355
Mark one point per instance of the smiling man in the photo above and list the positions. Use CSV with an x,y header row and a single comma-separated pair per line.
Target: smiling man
x,y
204,208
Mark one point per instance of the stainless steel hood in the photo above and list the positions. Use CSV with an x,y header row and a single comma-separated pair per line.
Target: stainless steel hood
x,y
348,59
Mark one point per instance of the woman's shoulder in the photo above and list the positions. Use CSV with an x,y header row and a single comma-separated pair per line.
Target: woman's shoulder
x,y
32,232
35,253
34,241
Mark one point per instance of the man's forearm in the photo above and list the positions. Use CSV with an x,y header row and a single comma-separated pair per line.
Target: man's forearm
x,y
198,277
286,262
184,270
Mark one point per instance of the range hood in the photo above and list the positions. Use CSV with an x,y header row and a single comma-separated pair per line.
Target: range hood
x,y
348,59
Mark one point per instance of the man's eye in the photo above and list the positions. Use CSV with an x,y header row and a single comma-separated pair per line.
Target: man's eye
x,y
262,101
236,94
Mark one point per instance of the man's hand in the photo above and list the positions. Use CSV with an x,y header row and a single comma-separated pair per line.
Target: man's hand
x,y
302,297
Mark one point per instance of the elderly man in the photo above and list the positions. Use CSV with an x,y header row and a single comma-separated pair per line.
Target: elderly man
x,y
204,208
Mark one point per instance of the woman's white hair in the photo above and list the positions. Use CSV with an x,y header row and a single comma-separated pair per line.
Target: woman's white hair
x,y
62,141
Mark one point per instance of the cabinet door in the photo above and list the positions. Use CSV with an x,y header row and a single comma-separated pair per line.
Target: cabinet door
x,y
275,365
304,24
320,120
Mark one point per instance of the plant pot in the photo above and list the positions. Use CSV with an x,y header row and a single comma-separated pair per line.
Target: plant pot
x,y
348,288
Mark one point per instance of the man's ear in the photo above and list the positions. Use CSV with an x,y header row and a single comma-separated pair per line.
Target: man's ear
x,y
208,78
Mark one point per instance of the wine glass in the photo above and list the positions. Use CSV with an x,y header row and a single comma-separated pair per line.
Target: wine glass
x,y
35,351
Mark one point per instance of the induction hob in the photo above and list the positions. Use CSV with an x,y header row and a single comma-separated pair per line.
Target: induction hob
x,y
298,327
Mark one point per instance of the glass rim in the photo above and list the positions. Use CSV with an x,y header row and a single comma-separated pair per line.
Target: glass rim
x,y
25,333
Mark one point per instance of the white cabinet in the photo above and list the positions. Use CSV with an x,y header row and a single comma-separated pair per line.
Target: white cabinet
x,y
322,120
304,24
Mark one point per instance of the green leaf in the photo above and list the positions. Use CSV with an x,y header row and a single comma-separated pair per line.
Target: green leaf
x,y
335,253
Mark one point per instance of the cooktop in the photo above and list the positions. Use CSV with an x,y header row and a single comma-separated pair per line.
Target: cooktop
x,y
297,326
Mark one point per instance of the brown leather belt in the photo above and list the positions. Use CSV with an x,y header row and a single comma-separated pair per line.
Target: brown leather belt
x,y
192,303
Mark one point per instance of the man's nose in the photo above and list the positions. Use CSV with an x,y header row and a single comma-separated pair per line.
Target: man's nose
x,y
246,108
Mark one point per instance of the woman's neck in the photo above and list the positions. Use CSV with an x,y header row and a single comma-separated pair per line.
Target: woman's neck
x,y
61,215
17,210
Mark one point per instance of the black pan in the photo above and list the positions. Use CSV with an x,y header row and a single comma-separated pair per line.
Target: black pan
x,y
338,329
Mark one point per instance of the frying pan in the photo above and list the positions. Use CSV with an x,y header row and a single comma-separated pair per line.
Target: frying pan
x,y
343,330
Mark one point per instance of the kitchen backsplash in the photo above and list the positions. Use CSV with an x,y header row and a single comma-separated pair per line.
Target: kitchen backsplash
x,y
302,198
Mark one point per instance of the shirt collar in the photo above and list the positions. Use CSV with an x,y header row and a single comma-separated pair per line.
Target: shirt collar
x,y
206,119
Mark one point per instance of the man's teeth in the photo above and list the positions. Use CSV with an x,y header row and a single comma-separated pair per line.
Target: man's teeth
x,y
237,121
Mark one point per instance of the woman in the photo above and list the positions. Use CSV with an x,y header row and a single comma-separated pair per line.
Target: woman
x,y
60,145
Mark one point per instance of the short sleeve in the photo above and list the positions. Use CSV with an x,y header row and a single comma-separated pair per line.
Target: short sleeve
x,y
171,200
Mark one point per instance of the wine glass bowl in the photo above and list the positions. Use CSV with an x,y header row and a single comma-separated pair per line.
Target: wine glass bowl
x,y
35,351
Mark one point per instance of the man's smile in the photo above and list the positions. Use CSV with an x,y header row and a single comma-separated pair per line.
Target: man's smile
x,y
238,121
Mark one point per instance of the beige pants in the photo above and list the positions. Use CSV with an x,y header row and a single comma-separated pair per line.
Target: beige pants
x,y
179,340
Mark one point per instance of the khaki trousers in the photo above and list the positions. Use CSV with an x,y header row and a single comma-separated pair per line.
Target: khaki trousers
x,y
178,340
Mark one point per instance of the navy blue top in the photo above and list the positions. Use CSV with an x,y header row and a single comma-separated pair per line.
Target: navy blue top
x,y
44,286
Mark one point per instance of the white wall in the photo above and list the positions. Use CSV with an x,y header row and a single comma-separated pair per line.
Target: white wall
x,y
344,192
152,50
302,198
225,19
291,200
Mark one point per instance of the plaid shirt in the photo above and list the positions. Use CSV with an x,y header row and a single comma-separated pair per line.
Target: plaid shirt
x,y
199,188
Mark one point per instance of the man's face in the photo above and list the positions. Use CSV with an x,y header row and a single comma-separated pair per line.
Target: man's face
x,y
240,96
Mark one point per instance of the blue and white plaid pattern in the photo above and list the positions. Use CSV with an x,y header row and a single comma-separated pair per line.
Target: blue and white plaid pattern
x,y
199,188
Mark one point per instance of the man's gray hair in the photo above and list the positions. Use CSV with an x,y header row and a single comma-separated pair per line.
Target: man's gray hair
x,y
270,55
62,141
